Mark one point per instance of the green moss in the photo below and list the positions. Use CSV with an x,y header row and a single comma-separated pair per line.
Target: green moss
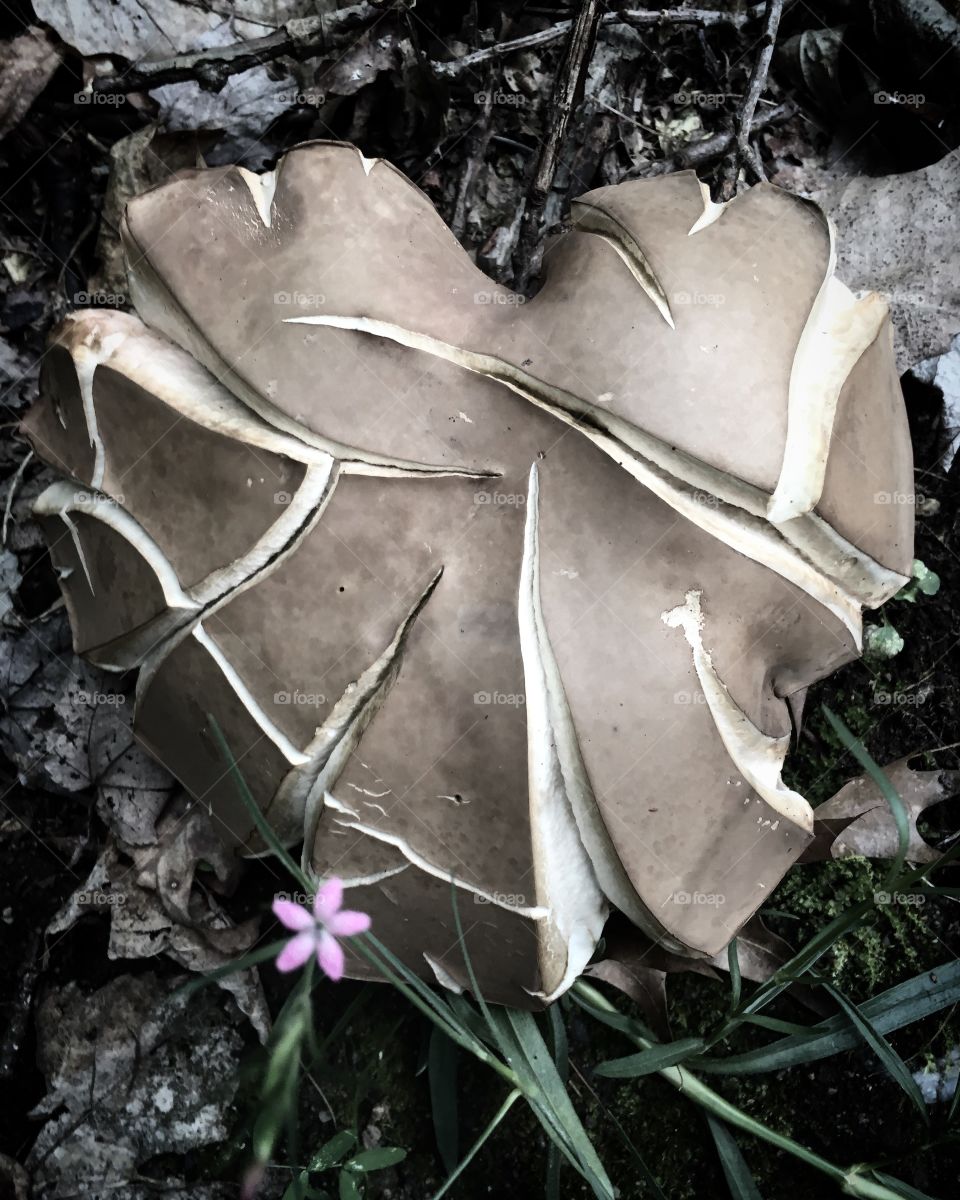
x,y
896,940
818,765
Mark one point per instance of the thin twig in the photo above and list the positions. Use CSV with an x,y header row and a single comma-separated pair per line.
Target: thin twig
x,y
568,90
477,143
12,495
703,18
758,81
513,144
638,18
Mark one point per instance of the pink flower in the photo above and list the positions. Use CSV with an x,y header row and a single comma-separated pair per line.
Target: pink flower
x,y
318,931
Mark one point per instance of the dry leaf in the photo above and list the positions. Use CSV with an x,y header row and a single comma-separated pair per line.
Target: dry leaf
x,y
26,64
639,968
142,924
645,986
858,820
148,30
760,951
186,840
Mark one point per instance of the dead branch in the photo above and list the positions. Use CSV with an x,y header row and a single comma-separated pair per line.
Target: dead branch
x,y
758,81
568,90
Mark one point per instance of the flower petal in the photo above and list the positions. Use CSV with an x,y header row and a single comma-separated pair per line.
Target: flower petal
x,y
346,923
294,916
296,952
328,899
330,956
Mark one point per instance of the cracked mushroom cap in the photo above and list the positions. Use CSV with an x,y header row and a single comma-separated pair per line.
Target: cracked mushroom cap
x,y
510,594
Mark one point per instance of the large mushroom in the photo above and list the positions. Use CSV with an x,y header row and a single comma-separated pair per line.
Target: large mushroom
x,y
517,595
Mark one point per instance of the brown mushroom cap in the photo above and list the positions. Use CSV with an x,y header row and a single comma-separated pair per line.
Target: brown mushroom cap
x,y
496,595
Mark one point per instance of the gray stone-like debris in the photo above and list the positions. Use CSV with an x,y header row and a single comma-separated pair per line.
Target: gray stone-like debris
x,y
133,1071
944,373
897,235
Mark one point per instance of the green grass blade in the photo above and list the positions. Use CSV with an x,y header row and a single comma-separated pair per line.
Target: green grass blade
x,y
894,1065
479,1143
442,1062
777,1026
264,827
298,1188
736,983
735,1170
561,1057
887,790
910,1001
347,1187
901,1188
851,1180
538,1100
558,1042
284,1056
649,1061
469,1017
503,1042
377,954
554,1163
423,999
646,1174
544,1069
841,924
421,996
805,958
253,959
615,1020
467,960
